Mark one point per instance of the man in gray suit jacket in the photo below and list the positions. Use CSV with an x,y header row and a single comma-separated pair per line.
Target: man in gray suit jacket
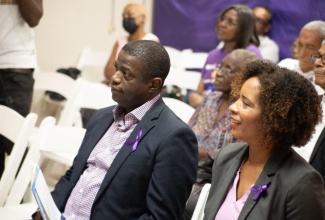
x,y
138,160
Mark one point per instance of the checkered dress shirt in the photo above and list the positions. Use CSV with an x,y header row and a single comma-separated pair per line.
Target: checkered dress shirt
x,y
83,195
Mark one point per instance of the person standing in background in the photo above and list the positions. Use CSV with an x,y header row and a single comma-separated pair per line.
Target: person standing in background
x,y
134,18
17,58
268,48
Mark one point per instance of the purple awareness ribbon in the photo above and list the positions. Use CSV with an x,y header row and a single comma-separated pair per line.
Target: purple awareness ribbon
x,y
135,141
258,191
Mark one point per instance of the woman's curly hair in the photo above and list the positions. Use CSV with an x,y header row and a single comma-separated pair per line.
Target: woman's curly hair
x,y
289,103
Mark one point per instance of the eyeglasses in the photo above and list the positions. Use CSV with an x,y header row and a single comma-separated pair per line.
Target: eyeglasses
x,y
317,56
229,21
225,70
261,21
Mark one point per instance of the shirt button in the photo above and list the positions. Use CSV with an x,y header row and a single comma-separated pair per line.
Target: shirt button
x,y
81,190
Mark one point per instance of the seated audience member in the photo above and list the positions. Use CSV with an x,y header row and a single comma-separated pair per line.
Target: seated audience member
x,y
309,41
211,121
138,160
294,49
236,28
263,177
268,48
314,150
134,18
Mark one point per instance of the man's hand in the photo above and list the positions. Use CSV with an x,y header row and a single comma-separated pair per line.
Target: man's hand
x,y
37,216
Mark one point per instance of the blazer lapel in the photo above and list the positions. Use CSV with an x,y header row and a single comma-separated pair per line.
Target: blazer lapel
x,y
91,142
319,141
219,196
265,178
146,124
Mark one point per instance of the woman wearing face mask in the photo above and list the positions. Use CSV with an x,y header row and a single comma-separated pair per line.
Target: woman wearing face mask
x,y
236,28
134,17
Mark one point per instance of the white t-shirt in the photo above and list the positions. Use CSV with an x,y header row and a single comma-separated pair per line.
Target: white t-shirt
x,y
17,44
269,49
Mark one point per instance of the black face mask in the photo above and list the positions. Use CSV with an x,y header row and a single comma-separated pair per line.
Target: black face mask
x,y
130,25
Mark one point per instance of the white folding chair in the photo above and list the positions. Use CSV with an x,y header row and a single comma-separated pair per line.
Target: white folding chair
x,y
181,109
93,96
183,79
174,55
17,129
192,60
18,212
61,84
200,205
59,143
92,64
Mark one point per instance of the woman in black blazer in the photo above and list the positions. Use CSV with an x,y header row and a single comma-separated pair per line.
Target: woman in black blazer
x,y
264,178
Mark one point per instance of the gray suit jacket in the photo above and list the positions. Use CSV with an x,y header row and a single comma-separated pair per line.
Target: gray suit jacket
x,y
153,182
295,189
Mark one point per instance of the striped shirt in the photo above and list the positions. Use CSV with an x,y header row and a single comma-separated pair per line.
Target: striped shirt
x,y
83,195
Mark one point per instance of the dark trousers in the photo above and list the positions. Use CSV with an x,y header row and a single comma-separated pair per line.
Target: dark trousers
x,y
16,92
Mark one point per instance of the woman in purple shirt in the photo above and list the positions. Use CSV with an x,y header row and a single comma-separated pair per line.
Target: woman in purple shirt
x,y
236,28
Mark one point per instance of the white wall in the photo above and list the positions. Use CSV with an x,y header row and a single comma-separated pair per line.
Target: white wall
x,y
68,26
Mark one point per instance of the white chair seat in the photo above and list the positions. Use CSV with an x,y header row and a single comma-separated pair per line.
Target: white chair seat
x,y
18,212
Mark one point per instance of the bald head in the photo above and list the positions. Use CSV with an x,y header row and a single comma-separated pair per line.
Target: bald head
x,y
134,9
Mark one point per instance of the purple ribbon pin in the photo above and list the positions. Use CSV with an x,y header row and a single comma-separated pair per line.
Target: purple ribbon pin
x,y
258,191
135,141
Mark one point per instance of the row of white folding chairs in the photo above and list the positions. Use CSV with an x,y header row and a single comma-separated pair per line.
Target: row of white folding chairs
x,y
17,129
59,143
181,72
79,93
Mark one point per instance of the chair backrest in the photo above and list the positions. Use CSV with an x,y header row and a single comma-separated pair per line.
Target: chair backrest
x,y
18,130
92,64
61,84
93,96
200,205
174,55
183,79
60,143
192,60
181,109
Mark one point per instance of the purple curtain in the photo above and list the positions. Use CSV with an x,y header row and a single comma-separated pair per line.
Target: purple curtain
x,y
190,23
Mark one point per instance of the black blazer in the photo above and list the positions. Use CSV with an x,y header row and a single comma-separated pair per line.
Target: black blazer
x,y
317,158
153,182
294,191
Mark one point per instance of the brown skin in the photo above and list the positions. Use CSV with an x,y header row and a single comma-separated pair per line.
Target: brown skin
x,y
129,88
319,69
246,118
136,11
31,11
222,83
226,30
308,44
262,20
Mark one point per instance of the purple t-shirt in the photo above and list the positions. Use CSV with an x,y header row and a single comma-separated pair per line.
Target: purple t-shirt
x,y
214,58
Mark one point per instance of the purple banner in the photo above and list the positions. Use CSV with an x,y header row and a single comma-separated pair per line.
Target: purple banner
x,y
190,24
